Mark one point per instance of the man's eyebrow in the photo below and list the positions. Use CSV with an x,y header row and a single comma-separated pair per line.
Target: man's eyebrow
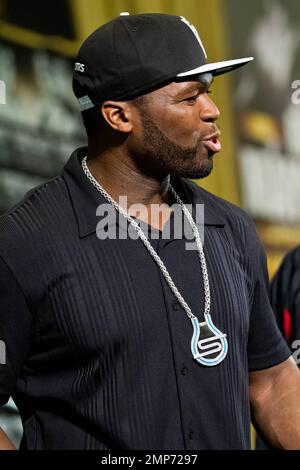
x,y
193,87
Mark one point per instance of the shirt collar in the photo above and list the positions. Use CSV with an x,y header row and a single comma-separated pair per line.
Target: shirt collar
x,y
85,198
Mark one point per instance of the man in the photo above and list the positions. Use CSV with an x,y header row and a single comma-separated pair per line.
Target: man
x,y
141,343
285,298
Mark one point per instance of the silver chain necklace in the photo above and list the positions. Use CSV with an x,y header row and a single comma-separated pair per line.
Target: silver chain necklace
x,y
209,345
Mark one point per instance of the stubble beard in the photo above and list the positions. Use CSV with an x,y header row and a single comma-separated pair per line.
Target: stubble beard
x,y
170,157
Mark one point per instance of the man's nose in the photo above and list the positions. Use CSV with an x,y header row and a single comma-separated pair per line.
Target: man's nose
x,y
209,111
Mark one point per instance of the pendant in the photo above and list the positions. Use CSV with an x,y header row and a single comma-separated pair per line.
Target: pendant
x,y
209,345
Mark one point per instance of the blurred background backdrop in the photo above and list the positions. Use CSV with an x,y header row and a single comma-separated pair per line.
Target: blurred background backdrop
x,y
259,166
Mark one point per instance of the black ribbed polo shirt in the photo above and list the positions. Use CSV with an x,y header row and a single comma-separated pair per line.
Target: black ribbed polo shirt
x,y
98,349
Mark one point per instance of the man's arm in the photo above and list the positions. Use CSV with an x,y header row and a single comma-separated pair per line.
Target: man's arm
x,y
5,443
275,403
16,334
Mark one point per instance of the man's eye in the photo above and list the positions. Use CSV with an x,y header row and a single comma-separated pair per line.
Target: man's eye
x,y
191,99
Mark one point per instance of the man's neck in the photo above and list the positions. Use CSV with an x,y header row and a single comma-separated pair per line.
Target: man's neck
x,y
120,177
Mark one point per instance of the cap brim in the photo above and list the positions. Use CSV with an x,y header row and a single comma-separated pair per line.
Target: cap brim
x,y
217,68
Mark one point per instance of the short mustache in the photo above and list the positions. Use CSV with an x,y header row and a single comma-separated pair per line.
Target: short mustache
x,y
213,132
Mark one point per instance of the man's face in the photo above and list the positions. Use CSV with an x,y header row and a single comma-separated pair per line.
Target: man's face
x,y
177,133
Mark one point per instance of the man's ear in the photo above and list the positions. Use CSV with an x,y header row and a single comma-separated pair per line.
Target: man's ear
x,y
118,115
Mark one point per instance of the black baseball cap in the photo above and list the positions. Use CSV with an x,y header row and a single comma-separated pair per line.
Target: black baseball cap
x,y
133,54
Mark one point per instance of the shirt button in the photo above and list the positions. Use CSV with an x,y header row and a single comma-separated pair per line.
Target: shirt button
x,y
184,370
175,306
191,435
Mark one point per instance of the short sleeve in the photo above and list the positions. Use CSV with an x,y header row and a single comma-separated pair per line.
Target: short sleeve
x,y
266,345
15,331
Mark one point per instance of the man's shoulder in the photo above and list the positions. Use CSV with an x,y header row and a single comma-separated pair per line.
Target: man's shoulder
x,y
223,209
239,226
36,210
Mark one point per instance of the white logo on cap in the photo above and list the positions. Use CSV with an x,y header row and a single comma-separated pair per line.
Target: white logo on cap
x,y
192,28
79,67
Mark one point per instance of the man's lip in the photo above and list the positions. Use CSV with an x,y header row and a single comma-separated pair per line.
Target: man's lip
x,y
212,142
216,135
